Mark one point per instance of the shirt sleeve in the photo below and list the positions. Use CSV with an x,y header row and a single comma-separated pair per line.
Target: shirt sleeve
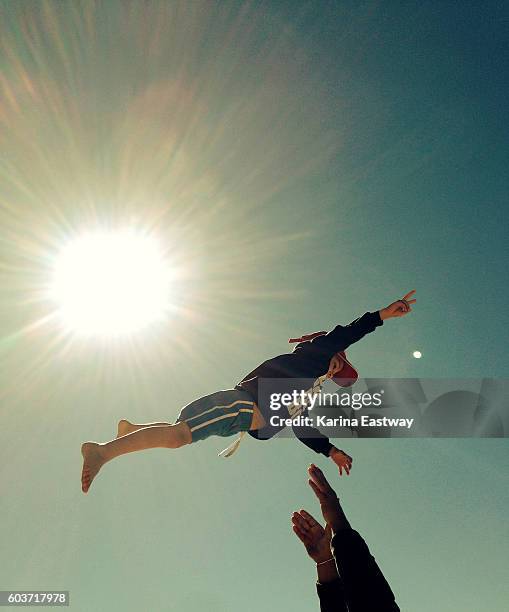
x,y
313,439
341,337
365,586
331,596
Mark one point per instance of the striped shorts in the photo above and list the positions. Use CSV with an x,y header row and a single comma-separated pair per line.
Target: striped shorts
x,y
224,413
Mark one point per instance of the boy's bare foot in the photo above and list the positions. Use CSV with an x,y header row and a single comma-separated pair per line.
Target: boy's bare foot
x,y
124,427
93,460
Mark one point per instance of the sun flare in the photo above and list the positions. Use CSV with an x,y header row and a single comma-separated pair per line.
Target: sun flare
x,y
111,283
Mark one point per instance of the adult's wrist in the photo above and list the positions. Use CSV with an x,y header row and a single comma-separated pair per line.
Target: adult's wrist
x,y
322,556
330,559
327,572
383,314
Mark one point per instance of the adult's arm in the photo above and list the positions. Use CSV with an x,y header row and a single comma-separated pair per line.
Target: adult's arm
x,y
364,585
316,540
331,596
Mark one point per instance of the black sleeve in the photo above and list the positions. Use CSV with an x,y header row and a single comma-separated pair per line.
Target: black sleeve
x,y
341,337
364,584
331,596
313,439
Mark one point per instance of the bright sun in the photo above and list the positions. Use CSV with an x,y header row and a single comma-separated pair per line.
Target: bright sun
x,y
111,283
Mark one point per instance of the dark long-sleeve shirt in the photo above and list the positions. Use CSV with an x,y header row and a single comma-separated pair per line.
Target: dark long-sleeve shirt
x,y
361,586
308,361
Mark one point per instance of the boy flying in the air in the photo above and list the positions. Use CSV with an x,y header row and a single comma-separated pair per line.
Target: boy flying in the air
x,y
226,413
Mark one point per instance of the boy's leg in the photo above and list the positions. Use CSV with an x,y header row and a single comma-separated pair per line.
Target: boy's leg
x,y
157,436
258,422
126,427
223,413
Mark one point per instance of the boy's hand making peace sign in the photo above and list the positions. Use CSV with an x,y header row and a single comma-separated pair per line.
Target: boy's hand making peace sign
x,y
399,308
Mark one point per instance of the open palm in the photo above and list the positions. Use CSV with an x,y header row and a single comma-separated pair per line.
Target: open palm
x,y
315,538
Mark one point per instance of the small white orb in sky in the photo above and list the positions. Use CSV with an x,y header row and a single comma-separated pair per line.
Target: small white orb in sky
x,y
110,283
417,354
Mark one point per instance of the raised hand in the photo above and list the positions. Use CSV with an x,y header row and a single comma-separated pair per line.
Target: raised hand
x,y
315,538
329,502
400,308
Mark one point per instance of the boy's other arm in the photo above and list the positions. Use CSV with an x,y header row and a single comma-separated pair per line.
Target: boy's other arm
x,y
320,443
313,439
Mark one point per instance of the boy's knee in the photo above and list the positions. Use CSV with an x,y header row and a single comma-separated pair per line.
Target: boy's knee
x,y
179,435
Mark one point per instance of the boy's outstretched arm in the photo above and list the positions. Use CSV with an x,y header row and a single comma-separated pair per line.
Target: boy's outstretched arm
x,y
343,336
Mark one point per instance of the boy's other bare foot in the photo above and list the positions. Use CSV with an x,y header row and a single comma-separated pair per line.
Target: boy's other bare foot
x,y
124,427
93,460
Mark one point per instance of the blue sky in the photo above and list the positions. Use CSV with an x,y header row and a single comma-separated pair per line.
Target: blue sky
x,y
302,163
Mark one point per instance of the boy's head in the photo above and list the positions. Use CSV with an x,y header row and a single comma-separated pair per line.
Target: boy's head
x,y
342,371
